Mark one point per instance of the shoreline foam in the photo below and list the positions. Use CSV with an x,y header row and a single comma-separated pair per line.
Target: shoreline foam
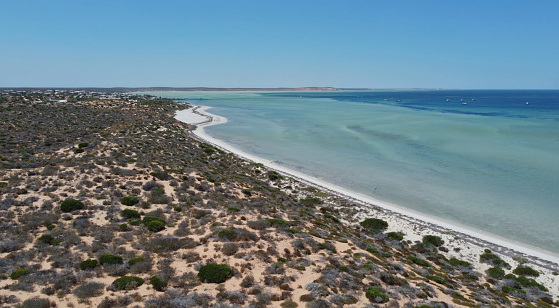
x,y
413,224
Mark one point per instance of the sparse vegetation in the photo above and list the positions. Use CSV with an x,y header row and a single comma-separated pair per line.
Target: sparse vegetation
x,y
194,204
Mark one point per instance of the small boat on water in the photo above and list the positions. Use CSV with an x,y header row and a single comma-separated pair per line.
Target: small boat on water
x,y
464,103
473,99
527,103
447,100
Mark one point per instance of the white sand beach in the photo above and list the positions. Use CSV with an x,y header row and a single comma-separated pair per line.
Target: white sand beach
x,y
463,243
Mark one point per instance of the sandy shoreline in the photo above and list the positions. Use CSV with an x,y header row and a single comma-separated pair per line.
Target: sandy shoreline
x,y
464,243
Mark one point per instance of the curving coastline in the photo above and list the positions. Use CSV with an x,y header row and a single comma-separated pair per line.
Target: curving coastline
x,y
468,243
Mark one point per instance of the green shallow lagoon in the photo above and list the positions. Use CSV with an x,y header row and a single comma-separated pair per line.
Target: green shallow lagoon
x,y
491,164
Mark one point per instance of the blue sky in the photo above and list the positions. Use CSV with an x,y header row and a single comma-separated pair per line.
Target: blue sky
x,y
373,44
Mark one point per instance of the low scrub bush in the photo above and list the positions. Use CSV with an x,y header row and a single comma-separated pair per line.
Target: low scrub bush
x,y
88,264
433,240
89,289
128,282
130,201
229,249
71,205
395,236
228,234
419,261
526,271
155,226
513,291
310,201
148,219
456,262
136,260
110,259
331,217
273,175
496,273
259,224
128,213
374,225
36,302
437,279
49,239
157,283
376,295
278,222
215,273
529,283
168,244
19,273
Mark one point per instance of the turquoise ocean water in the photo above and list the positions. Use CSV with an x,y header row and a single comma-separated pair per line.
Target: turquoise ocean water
x,y
488,160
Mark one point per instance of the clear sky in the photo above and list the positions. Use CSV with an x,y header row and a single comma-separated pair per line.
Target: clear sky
x,y
470,44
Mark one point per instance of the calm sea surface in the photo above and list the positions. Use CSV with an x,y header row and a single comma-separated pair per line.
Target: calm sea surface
x,y
485,159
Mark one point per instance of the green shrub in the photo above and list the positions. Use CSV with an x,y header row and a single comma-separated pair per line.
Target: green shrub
x,y
419,261
71,205
513,291
437,279
49,239
157,283
456,262
18,273
289,304
433,240
215,273
110,259
123,227
331,217
496,273
395,235
526,271
376,295
272,175
148,219
155,226
128,282
88,264
129,201
372,250
50,227
161,175
128,213
136,260
3,184
310,201
278,222
82,145
374,225
306,298
79,150
529,283
227,234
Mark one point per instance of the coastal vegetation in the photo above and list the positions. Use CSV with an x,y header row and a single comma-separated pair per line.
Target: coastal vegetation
x,y
146,215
